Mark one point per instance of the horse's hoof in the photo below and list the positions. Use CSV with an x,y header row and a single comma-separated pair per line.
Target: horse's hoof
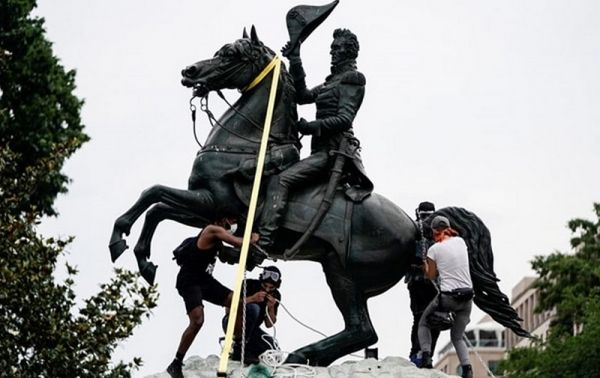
x,y
141,253
117,248
296,358
148,270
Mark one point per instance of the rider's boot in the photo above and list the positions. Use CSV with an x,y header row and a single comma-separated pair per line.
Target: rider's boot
x,y
272,213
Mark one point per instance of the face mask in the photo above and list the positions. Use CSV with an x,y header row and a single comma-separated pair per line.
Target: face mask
x,y
232,228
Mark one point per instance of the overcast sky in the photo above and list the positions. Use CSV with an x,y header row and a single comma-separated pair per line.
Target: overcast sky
x,y
492,106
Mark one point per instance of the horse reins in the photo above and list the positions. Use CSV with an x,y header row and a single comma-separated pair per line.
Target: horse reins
x,y
213,120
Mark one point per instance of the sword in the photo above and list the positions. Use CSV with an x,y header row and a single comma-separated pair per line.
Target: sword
x,y
347,144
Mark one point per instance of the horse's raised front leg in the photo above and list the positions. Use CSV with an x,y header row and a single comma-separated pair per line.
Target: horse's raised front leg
x,y
200,201
157,214
358,332
154,216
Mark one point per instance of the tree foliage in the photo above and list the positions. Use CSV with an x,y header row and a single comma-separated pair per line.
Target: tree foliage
x,y
39,114
43,331
570,284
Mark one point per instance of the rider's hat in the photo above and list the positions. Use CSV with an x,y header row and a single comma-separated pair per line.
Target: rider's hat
x,y
302,20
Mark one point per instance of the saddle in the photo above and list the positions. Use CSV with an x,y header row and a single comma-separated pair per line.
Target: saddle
x,y
323,210
304,204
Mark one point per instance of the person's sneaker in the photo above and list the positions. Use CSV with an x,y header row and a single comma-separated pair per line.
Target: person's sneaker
x,y
467,371
251,359
426,362
236,352
174,369
415,359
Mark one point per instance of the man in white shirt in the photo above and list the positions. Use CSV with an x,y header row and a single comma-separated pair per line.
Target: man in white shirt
x,y
448,258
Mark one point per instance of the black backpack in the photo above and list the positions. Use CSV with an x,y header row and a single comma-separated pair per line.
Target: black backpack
x,y
182,252
441,320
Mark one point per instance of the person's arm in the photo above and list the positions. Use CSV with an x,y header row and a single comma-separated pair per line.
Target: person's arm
x,y
304,95
430,268
257,297
213,234
254,298
272,305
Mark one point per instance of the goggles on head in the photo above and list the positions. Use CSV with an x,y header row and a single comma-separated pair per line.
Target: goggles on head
x,y
270,275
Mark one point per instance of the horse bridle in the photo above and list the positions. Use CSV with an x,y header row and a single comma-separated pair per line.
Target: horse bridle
x,y
212,119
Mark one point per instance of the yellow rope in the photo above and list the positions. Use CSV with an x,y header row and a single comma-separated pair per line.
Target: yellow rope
x,y
276,62
262,74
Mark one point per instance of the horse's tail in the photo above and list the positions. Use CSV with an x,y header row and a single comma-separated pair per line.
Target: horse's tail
x,y
488,296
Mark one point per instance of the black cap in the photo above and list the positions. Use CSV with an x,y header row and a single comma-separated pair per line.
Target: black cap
x,y
440,222
426,207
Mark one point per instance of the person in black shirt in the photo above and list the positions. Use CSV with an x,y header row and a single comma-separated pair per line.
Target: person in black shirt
x,y
421,289
262,302
195,283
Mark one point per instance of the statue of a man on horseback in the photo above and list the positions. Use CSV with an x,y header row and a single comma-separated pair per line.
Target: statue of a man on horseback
x,y
363,241
337,100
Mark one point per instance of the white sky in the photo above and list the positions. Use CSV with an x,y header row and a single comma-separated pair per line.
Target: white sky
x,y
487,105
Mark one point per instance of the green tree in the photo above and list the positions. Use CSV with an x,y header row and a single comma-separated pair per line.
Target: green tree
x,y
570,284
39,114
43,332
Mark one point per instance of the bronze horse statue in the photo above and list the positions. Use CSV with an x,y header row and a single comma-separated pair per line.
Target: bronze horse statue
x,y
365,248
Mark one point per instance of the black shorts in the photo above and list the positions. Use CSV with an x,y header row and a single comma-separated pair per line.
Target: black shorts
x,y
210,290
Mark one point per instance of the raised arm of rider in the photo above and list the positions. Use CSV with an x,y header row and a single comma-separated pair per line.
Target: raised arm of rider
x,y
303,94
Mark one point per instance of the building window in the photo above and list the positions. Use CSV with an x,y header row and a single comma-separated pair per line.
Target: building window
x,y
471,337
488,338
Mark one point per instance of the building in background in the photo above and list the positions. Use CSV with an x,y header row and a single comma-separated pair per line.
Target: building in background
x,y
525,299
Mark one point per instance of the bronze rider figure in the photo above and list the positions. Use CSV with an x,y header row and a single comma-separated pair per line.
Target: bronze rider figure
x,y
337,101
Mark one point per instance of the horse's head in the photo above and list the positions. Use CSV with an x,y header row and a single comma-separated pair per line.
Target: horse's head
x,y
234,66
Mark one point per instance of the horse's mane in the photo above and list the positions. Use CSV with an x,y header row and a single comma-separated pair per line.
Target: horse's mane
x,y
286,79
488,296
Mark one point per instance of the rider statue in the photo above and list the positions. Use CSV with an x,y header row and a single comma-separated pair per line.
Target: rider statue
x,y
337,101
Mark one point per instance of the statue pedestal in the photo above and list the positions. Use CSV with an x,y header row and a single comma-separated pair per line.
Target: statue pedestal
x,y
396,367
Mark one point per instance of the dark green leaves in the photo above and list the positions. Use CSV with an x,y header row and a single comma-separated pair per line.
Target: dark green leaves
x,y
44,330
570,284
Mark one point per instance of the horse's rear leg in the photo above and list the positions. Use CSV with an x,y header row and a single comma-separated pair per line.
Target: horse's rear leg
x,y
358,332
200,201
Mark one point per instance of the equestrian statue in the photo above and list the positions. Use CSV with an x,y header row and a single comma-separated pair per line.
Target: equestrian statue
x,y
321,208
